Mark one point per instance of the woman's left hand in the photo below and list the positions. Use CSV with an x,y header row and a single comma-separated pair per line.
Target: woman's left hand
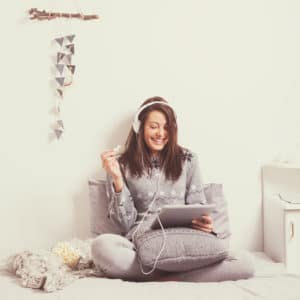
x,y
204,223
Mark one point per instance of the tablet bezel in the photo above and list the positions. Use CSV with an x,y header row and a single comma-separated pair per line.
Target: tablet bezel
x,y
181,215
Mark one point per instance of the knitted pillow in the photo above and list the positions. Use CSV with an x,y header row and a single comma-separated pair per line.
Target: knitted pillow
x,y
185,248
99,221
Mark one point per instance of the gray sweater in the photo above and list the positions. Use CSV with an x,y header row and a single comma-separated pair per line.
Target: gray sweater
x,y
127,208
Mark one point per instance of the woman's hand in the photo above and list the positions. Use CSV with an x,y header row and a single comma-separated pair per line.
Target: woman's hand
x,y
112,167
204,223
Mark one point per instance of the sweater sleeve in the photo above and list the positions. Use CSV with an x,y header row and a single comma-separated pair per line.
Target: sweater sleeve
x,y
194,184
197,192
121,209
214,195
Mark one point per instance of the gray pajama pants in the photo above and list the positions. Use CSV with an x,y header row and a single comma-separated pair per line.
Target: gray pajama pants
x,y
116,257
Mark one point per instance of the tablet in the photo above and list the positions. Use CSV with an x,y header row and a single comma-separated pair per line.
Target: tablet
x,y
181,215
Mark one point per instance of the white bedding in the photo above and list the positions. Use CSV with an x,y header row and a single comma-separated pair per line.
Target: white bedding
x,y
270,282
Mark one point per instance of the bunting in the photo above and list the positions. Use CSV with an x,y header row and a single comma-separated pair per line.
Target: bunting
x,y
60,80
60,92
60,57
60,68
71,68
60,41
71,48
64,76
70,38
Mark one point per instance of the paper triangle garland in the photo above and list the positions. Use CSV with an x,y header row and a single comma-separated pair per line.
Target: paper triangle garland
x,y
70,37
71,68
60,56
58,132
58,110
60,41
71,47
68,80
68,58
60,124
60,68
60,80
64,78
60,92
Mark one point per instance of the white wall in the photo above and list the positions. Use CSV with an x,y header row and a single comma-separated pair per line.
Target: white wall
x,y
231,68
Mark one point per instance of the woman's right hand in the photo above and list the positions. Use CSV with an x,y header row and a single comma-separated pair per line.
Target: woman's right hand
x,y
111,164
112,167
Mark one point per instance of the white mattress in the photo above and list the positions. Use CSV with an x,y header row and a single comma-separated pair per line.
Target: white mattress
x,y
270,282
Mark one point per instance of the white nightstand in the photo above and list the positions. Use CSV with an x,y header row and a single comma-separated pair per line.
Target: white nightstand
x,y
281,219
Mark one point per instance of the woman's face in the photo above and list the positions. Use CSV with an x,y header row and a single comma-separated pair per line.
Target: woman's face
x,y
155,131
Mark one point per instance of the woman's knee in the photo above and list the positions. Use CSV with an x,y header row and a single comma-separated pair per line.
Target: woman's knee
x,y
243,264
114,255
247,265
101,247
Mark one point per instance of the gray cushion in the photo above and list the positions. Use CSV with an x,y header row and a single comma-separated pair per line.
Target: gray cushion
x,y
185,249
99,221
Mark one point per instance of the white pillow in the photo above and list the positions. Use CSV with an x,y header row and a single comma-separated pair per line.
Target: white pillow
x,y
100,222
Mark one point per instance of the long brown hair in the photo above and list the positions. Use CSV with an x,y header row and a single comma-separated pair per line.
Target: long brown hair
x,y
137,155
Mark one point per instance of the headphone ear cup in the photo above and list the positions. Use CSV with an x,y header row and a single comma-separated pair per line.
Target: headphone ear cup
x,y
136,126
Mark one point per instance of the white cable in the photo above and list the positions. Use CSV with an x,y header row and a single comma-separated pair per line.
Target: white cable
x,y
160,252
140,223
161,226
150,206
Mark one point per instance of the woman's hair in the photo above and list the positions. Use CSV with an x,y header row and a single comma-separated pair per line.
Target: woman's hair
x,y
137,155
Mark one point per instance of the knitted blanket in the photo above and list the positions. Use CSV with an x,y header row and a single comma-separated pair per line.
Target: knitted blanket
x,y
52,270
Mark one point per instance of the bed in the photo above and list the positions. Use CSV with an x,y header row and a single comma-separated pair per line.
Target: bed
x,y
271,281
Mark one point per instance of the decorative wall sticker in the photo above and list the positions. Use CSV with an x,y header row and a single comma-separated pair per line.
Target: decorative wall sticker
x,y
64,76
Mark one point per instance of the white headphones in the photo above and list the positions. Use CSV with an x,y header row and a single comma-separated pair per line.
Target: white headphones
x,y
136,122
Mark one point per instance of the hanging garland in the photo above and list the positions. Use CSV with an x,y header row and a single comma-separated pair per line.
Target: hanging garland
x,y
66,71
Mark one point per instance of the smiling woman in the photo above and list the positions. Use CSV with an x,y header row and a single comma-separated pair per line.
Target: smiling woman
x,y
156,131
155,171
153,139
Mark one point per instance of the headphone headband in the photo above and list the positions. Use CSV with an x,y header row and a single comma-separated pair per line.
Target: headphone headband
x,y
136,122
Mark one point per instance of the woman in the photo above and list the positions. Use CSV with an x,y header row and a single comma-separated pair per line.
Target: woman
x,y
153,171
